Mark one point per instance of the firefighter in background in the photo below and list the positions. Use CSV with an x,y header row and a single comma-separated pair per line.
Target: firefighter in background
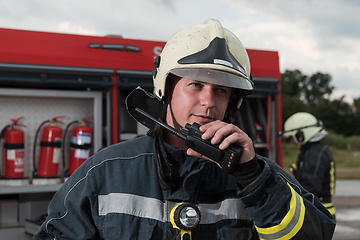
x,y
154,187
315,167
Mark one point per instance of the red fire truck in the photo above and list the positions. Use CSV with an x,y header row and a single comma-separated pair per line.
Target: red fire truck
x,y
74,76
115,65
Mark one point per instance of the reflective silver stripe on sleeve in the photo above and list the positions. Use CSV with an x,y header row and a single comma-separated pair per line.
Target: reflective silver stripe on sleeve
x,y
227,209
155,209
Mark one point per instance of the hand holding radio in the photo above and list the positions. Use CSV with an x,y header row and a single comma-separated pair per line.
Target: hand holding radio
x,y
226,158
191,134
226,136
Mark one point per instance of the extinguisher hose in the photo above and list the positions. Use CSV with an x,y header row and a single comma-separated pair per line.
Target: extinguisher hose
x,y
3,131
1,137
34,149
64,138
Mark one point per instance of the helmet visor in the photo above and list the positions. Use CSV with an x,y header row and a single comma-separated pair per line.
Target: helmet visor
x,y
212,76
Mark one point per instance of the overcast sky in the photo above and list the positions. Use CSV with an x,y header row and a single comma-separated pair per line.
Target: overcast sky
x,y
310,35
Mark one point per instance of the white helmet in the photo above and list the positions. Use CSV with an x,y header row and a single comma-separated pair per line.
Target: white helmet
x,y
302,127
205,52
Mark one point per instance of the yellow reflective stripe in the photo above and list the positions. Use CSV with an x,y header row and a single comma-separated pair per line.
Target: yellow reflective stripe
x,y
332,179
330,207
291,223
332,211
327,205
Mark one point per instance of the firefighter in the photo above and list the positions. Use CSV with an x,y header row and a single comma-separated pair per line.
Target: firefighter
x,y
154,187
315,167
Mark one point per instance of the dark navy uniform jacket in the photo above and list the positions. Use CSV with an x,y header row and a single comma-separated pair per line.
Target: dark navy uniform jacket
x,y
316,172
116,194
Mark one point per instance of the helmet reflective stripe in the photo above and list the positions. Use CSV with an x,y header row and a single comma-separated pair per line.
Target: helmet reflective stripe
x,y
205,52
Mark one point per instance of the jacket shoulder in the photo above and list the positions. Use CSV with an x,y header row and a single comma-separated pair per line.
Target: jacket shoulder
x,y
129,148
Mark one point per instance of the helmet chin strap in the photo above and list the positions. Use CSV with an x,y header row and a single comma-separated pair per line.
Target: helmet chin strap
x,y
171,139
163,167
177,126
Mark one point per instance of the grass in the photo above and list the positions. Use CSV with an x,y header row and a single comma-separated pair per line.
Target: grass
x,y
347,162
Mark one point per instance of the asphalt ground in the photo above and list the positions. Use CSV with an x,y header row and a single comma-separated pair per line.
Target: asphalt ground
x,y
347,204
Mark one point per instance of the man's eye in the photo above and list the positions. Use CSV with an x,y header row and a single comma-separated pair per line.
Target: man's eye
x,y
196,84
222,90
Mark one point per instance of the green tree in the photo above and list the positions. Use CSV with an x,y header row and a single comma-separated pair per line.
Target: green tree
x,y
337,115
356,105
291,83
291,89
317,87
355,126
291,105
301,93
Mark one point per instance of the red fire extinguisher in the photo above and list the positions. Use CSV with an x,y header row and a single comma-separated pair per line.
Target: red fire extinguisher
x,y
50,149
13,150
80,145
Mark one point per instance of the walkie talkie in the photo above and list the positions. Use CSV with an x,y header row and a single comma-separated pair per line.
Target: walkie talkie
x,y
191,134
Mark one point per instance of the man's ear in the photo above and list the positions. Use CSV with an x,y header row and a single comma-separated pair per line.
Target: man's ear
x,y
171,80
234,99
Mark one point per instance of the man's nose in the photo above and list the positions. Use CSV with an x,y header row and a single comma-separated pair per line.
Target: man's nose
x,y
207,98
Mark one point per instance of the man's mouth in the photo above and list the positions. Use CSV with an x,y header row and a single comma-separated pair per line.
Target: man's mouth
x,y
204,118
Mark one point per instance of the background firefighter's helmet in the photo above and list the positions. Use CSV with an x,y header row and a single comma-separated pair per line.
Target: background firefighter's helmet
x,y
205,52
302,127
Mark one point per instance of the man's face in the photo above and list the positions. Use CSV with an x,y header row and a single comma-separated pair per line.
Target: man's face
x,y
193,101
